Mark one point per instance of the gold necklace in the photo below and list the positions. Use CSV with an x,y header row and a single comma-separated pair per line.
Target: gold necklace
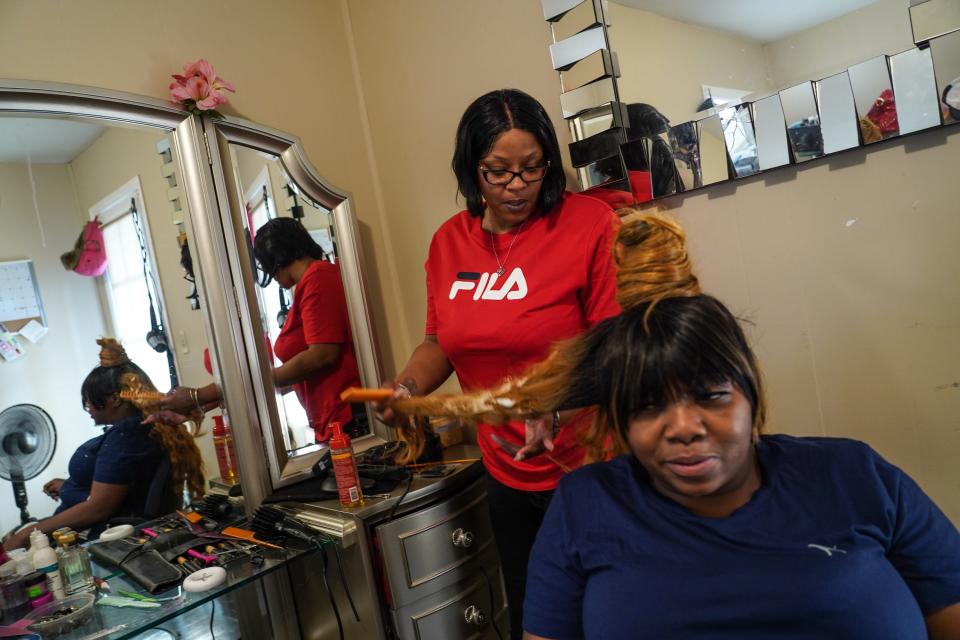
x,y
493,245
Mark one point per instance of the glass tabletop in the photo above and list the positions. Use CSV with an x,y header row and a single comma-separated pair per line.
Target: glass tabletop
x,y
118,623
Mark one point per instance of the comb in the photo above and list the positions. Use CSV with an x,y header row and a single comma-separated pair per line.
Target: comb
x,y
356,394
243,534
143,396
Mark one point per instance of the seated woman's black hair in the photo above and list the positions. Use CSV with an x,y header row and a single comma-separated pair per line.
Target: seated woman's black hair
x,y
103,382
279,243
650,357
484,120
647,122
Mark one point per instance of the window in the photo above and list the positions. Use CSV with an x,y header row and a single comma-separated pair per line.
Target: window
x,y
128,293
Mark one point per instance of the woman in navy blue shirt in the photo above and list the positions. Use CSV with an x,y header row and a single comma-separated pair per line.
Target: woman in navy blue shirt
x,y
707,529
110,474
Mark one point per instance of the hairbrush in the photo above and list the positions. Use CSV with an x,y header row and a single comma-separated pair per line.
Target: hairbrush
x,y
243,534
272,523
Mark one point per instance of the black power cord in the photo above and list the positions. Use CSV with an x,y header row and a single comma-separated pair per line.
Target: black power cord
x,y
213,610
493,602
326,583
403,495
343,580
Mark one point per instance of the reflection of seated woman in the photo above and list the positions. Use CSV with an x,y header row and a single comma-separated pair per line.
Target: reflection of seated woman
x,y
705,528
110,475
315,344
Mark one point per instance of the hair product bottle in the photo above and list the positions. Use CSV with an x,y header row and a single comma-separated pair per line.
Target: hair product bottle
x,y
345,468
74,565
45,561
226,455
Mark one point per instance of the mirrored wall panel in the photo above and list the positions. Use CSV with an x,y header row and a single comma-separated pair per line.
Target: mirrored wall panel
x,y
741,140
685,149
838,116
914,84
932,18
946,63
770,127
803,121
874,100
713,151
98,240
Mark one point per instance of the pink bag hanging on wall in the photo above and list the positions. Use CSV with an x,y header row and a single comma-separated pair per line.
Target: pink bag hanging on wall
x,y
89,256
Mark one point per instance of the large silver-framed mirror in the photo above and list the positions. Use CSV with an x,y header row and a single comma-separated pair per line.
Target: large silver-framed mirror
x,y
133,169
264,174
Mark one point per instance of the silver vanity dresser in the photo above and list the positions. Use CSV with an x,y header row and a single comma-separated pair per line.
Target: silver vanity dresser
x,y
430,572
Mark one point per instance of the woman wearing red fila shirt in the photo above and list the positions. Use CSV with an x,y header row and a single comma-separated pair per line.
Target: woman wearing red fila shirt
x,y
315,344
526,264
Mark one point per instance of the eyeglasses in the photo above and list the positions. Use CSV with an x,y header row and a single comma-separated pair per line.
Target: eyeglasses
x,y
502,177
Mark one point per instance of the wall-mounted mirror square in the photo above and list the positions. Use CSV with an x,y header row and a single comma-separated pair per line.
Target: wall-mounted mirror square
x,y
650,168
772,147
600,145
803,121
603,171
597,120
583,16
741,140
569,51
685,148
587,97
932,18
838,116
874,100
594,67
713,151
915,87
946,63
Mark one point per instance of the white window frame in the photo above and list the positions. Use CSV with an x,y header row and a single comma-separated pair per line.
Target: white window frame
x,y
109,210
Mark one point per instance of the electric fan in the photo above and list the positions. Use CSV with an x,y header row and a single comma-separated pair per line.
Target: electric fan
x,y
27,442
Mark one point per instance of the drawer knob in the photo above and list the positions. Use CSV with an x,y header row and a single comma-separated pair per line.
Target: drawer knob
x,y
461,538
474,615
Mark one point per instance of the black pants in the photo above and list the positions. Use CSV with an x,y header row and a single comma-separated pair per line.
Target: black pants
x,y
516,517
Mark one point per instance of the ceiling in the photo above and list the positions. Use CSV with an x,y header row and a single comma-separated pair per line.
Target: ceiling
x,y
760,20
45,140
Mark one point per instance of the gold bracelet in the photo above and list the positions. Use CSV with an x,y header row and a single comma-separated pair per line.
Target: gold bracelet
x,y
196,399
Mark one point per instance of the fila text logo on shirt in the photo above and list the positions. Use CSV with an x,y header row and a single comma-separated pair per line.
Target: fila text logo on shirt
x,y
484,285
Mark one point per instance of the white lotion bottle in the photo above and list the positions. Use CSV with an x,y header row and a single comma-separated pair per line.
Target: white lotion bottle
x,y
45,561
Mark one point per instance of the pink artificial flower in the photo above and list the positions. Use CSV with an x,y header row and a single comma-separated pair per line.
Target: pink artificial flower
x,y
199,88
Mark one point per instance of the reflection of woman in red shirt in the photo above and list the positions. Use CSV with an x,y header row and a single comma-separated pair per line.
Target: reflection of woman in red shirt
x,y
315,344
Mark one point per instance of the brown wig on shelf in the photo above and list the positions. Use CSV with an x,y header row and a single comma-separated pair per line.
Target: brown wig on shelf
x,y
117,374
652,264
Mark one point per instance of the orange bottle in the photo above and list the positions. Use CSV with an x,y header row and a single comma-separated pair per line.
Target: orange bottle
x,y
226,455
345,467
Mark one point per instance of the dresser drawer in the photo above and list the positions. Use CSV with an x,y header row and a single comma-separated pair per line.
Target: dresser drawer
x,y
428,550
462,611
